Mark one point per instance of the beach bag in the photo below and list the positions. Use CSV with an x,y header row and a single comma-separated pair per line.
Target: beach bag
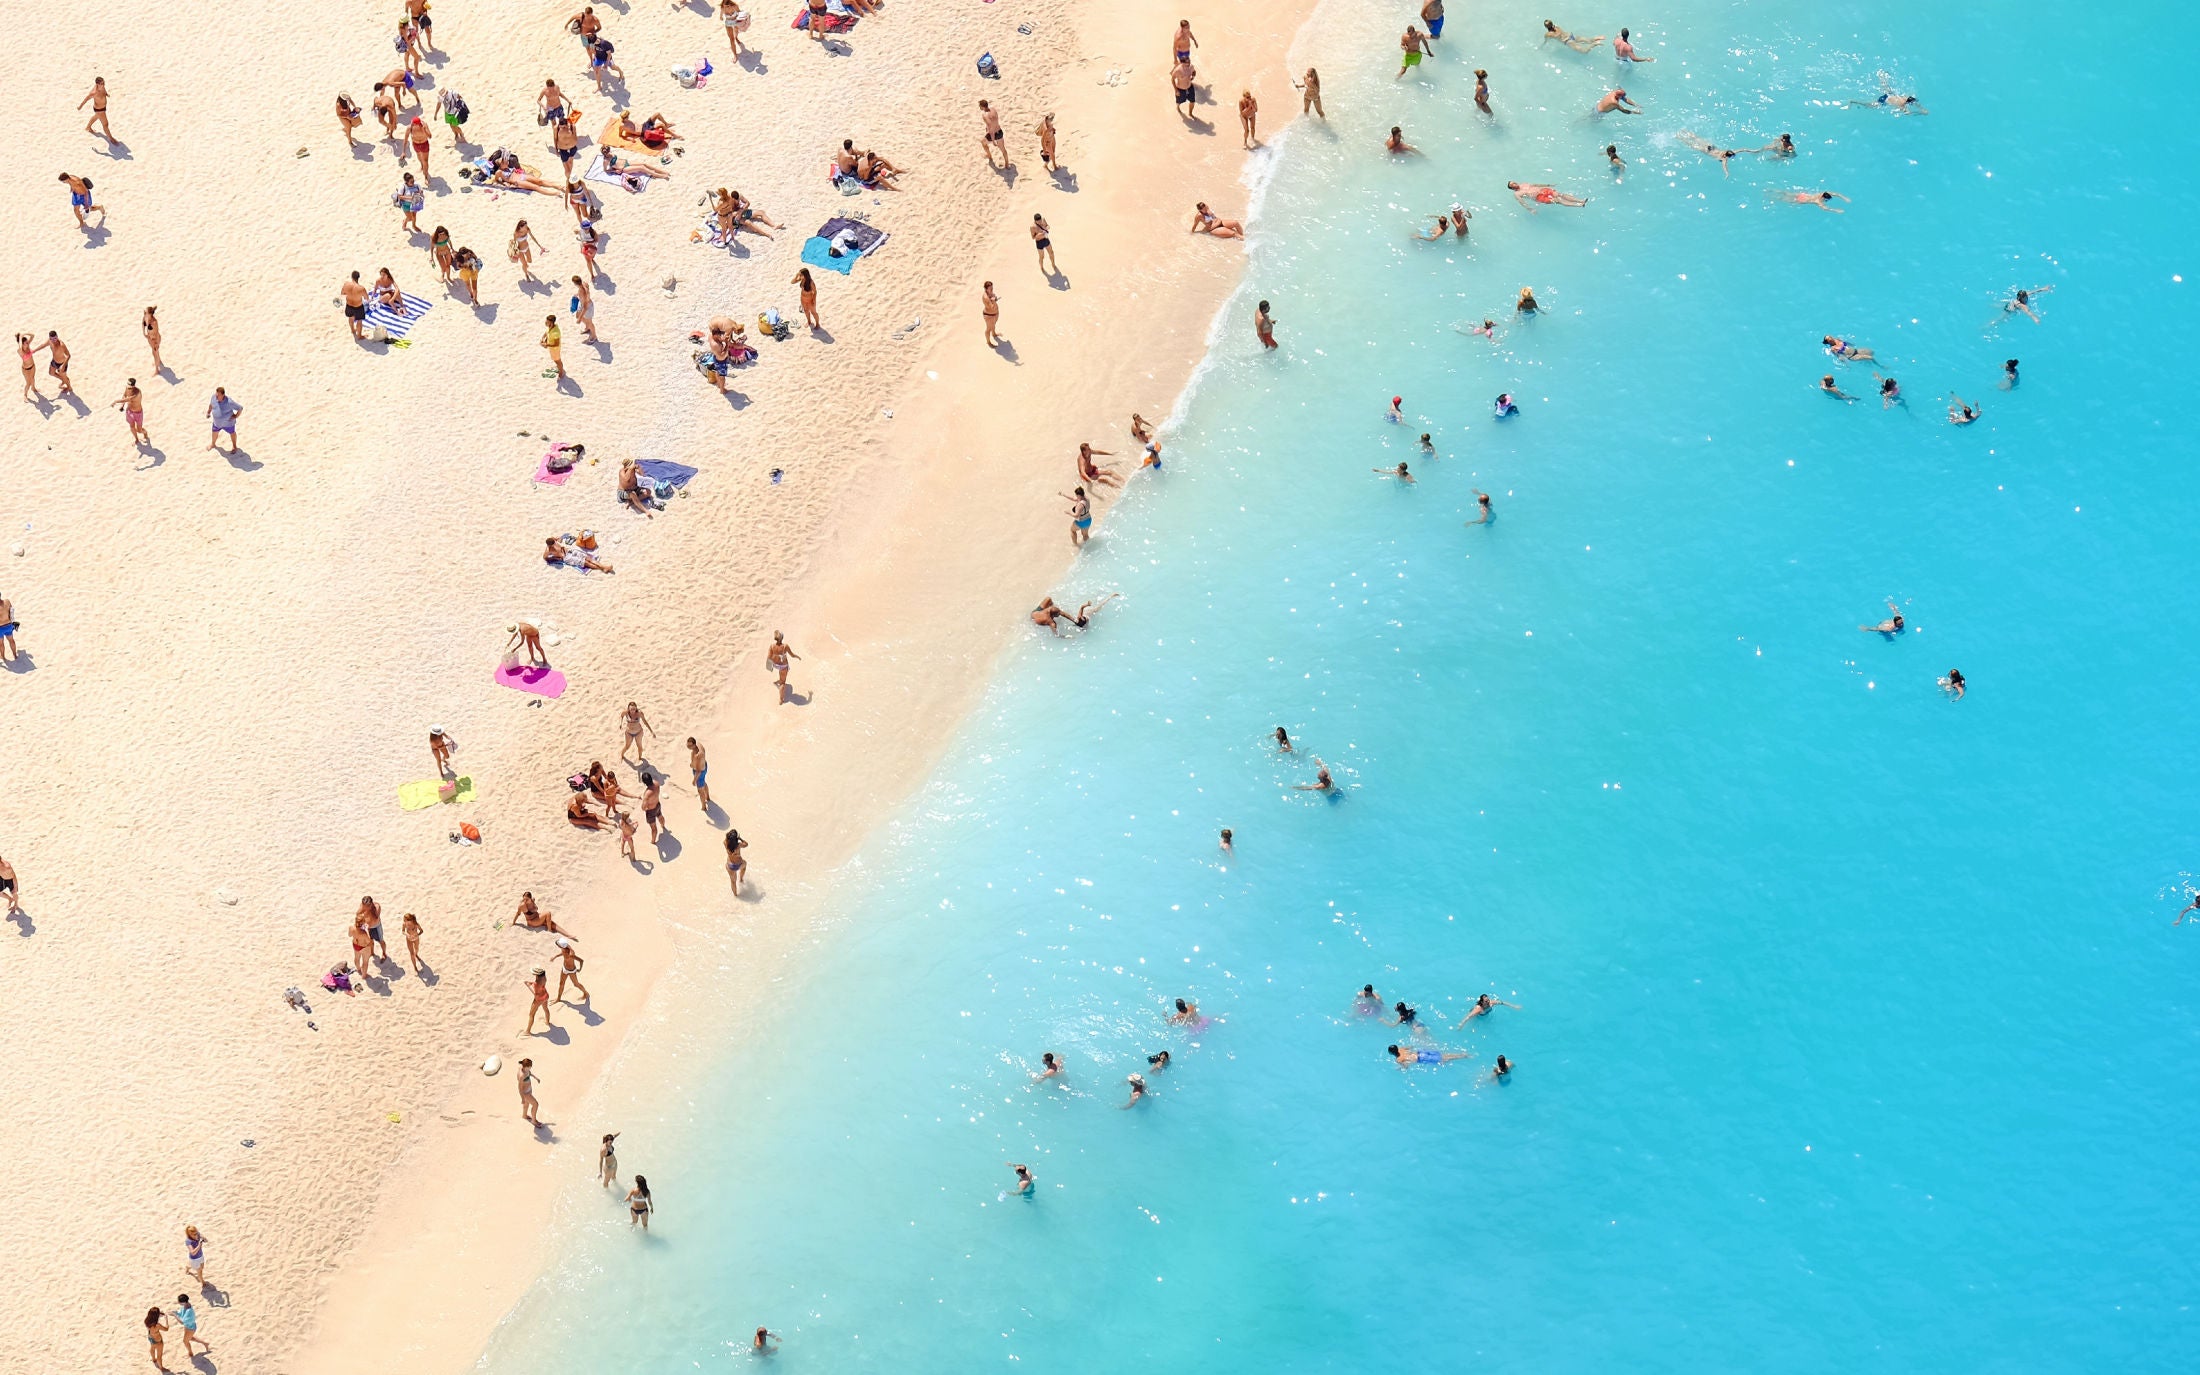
x,y
988,68
685,76
459,110
471,833
337,980
446,791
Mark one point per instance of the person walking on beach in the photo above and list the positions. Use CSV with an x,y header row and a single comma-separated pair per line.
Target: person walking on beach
x,y
1264,325
699,770
97,99
440,746
1182,77
1416,47
1041,239
737,865
8,884
538,988
529,1109
776,661
411,199
653,807
156,1332
132,406
806,286
990,306
1312,100
411,929
1045,131
80,199
1080,518
149,325
553,343
991,136
1249,117
638,1204
467,264
187,1318
632,722
417,133
222,413
607,1161
523,248
194,1256
570,964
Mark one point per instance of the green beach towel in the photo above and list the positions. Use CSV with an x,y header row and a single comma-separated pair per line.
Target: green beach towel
x,y
426,792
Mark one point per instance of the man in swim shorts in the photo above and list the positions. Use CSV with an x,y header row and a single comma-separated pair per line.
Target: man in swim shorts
x,y
355,305
80,198
1407,1059
1432,14
223,413
1415,47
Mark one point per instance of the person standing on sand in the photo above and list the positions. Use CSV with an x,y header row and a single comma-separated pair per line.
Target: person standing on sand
x,y
1080,518
653,807
807,285
440,745
539,993
775,661
194,1255
132,406
529,1109
526,636
1264,325
412,941
1181,77
362,943
737,864
150,326
1044,242
156,1331
565,141
732,16
80,199
384,104
97,98
1248,118
57,362
372,911
584,309
222,413
988,303
8,883
523,248
569,969
348,118
355,305
411,199
1045,131
993,137
1312,86
418,135
553,343
699,769
187,1318
632,722
23,352
1182,42
607,1161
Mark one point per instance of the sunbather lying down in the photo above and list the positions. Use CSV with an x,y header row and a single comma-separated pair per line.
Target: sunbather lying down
x,y
627,167
653,132
505,170
558,553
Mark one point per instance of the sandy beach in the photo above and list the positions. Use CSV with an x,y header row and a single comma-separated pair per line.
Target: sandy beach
x,y
232,662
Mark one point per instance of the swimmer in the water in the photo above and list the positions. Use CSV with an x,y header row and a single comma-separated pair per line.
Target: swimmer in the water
x,y
1459,217
1437,230
1571,40
1894,100
2008,374
1025,1179
1960,411
1428,445
1711,150
1527,304
1616,101
1409,1018
1890,627
1185,1012
1611,154
1482,90
1890,392
1781,147
1283,740
1535,193
1504,1067
1158,1061
1398,472
1824,200
1322,783
1229,847
1953,684
1396,411
1488,328
1365,1002
1827,385
1846,351
1138,1089
1049,1067
1482,500
1484,1005
1396,143
1087,610
1505,406
2190,907
2021,303
1046,613
1623,48
1407,1059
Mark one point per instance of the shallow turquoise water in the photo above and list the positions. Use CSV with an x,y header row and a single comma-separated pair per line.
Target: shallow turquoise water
x,y
1853,1026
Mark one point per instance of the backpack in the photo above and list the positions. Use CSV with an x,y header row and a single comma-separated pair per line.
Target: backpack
x,y
87,186
458,107
987,67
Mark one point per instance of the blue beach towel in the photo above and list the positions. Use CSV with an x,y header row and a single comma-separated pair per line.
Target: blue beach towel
x,y
381,316
663,472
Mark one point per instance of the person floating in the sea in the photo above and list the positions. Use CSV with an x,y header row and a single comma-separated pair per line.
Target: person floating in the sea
x,y
1846,351
1365,1002
1187,1012
1829,387
1482,501
1953,684
1049,1067
1890,627
1781,147
1960,411
1398,472
1894,100
1407,1059
1890,392
2190,908
2021,303
1396,143
1572,40
1617,101
1619,164
1534,193
1397,412
1504,406
2009,374
1504,1067
1710,150
1824,200
1322,783
1138,1089
1484,1005
1283,740
1026,1181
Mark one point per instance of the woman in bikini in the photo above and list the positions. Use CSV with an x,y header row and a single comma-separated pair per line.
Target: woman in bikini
x,y
347,118
156,1333
439,243
735,19
737,864
523,248
539,989
1205,221
808,286
534,918
412,940
638,1204
528,1107
30,366
150,327
361,943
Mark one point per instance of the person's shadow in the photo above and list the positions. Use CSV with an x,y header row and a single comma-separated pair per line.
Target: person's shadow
x,y
21,663
118,150
167,374
1064,180
589,1016
668,846
362,152
158,457
536,288
1007,350
603,351
715,815
821,334
751,61
428,977
558,1036
95,235
486,312
1058,280
242,460
569,386
22,919
1007,174
641,866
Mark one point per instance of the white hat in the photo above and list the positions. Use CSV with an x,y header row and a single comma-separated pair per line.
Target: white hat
x,y
561,942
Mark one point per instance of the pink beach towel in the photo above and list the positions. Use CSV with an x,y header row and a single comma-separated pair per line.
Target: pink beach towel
x,y
541,681
543,473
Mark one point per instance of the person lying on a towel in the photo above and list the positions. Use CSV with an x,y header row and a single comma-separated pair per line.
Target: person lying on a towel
x,y
627,167
558,554
653,132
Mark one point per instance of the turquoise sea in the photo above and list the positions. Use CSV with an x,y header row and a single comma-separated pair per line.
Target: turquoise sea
x,y
1853,1028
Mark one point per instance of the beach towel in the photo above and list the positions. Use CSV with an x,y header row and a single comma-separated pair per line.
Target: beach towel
x,y
542,682
663,473
852,238
712,234
380,316
831,23
426,792
615,139
543,473
632,181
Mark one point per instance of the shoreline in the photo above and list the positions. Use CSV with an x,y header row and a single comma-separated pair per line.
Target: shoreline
x,y
456,1233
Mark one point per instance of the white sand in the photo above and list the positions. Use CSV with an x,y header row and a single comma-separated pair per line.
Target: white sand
x,y
237,662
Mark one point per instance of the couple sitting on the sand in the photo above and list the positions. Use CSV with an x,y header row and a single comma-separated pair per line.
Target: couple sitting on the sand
x,y
866,167
654,132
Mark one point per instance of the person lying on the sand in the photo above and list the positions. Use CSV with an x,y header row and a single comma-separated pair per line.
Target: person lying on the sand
x,y
613,163
505,170
555,551
653,132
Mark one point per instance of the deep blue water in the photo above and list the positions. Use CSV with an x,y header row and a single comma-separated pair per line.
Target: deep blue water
x,y
1853,1025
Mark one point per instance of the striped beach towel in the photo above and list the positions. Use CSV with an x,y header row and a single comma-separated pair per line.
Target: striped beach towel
x,y
381,317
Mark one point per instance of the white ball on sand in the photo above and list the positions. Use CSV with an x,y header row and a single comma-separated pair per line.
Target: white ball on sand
x,y
492,1064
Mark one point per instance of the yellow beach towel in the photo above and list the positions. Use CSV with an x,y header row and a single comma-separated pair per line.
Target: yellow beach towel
x,y
426,792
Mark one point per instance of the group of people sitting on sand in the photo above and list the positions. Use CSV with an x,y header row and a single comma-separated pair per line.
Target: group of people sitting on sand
x,y
737,212
727,349
865,166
